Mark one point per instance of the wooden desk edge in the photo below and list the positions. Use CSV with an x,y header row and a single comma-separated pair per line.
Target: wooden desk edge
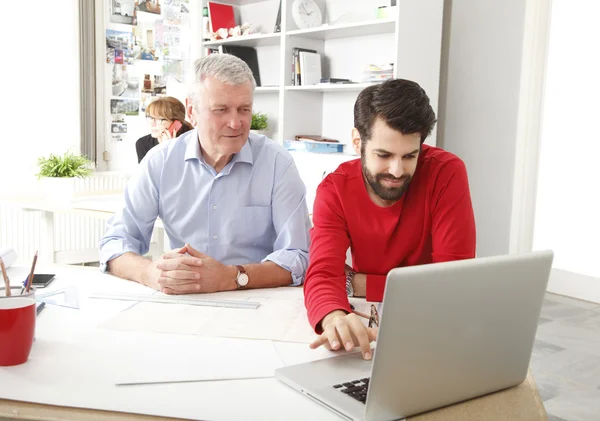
x,y
34,411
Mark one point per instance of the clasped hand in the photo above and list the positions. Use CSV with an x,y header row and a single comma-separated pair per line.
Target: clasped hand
x,y
189,271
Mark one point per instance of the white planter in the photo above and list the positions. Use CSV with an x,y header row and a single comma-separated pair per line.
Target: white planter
x,y
58,190
260,132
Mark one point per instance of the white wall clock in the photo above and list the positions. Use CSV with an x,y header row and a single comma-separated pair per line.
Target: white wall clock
x,y
306,14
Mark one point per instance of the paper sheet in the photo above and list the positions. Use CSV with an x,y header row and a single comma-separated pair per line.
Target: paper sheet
x,y
280,317
191,359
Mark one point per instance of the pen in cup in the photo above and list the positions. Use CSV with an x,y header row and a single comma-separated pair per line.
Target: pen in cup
x,y
5,276
30,277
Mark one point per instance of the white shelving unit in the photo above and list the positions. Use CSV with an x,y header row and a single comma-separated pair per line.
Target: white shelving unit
x,y
349,30
254,40
322,87
411,39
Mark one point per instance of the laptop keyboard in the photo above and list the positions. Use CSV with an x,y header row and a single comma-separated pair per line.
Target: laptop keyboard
x,y
356,389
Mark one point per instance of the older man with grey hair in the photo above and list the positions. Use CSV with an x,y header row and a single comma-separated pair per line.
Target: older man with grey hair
x,y
232,203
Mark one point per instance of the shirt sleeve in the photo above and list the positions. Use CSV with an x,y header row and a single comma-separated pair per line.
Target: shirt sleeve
x,y
325,286
452,218
130,229
291,222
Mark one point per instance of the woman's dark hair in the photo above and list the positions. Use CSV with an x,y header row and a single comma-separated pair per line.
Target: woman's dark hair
x,y
402,104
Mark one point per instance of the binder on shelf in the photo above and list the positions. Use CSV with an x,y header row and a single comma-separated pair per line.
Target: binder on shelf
x,y
310,68
296,64
248,54
278,20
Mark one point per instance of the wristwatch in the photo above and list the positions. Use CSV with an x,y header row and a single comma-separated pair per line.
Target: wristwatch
x,y
241,279
349,288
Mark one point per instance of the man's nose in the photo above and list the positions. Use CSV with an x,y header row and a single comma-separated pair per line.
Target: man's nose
x,y
396,169
235,122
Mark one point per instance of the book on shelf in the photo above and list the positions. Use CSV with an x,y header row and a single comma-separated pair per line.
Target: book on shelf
x,y
313,146
333,80
296,78
314,138
310,68
220,16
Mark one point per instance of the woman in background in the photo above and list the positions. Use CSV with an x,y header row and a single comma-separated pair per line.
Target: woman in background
x,y
160,115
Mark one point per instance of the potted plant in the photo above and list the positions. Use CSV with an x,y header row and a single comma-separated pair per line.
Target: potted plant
x,y
259,123
58,174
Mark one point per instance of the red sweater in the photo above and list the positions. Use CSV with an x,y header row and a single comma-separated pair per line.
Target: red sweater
x,y
432,222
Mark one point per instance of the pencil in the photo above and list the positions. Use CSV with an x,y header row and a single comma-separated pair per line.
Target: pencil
x,y
358,313
30,278
363,315
5,276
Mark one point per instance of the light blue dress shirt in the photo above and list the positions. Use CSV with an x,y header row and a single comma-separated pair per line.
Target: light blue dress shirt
x,y
254,210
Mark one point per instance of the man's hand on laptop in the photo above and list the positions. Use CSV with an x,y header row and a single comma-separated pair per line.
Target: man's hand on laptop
x,y
345,331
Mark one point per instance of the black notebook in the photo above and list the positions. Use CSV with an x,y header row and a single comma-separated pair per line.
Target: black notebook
x,y
248,54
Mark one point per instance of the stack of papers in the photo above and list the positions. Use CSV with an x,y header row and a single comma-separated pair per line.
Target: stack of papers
x,y
378,72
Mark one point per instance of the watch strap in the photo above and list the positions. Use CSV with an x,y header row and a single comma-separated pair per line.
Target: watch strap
x,y
349,288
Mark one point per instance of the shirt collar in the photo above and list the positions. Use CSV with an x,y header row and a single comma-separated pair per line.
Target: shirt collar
x,y
193,150
245,154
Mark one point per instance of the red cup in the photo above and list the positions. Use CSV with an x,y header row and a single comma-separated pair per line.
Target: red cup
x,y
17,328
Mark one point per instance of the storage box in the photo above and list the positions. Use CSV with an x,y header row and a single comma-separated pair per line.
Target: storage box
x,y
312,146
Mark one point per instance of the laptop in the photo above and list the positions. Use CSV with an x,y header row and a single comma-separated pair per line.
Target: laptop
x,y
449,332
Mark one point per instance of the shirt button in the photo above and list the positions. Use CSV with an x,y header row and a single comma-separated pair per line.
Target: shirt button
x,y
215,207
214,237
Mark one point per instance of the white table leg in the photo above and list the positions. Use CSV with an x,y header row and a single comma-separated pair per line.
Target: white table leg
x,y
46,253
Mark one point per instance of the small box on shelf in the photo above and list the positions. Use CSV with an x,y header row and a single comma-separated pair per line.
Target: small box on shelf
x,y
313,146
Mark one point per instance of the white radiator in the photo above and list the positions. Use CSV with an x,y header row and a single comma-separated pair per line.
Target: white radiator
x,y
75,237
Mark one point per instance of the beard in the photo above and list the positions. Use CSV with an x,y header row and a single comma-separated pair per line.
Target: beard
x,y
385,193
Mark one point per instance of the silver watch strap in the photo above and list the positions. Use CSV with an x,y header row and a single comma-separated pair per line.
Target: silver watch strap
x,y
349,288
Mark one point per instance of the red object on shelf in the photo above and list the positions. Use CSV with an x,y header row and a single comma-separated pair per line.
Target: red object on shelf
x,y
221,16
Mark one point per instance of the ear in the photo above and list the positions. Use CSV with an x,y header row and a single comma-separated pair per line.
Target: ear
x,y
189,109
356,141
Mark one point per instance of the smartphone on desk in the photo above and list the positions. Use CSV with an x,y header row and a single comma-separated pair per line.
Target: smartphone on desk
x,y
174,127
42,280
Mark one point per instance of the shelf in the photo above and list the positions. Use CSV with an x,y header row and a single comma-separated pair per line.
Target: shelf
x,y
255,40
266,89
358,29
342,87
242,2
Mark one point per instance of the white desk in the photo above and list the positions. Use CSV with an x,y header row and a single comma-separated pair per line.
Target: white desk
x,y
100,206
69,368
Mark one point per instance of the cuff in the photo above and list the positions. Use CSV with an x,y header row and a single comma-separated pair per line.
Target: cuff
x,y
112,250
375,287
319,314
294,261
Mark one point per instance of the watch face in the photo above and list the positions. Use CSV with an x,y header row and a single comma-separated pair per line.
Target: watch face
x,y
242,279
306,14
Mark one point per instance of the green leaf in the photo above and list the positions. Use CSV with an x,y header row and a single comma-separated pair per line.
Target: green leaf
x,y
68,165
259,121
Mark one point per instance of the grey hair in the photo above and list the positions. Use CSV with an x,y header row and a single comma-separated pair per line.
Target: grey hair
x,y
226,68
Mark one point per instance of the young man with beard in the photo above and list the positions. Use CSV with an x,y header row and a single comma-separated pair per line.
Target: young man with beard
x,y
403,203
